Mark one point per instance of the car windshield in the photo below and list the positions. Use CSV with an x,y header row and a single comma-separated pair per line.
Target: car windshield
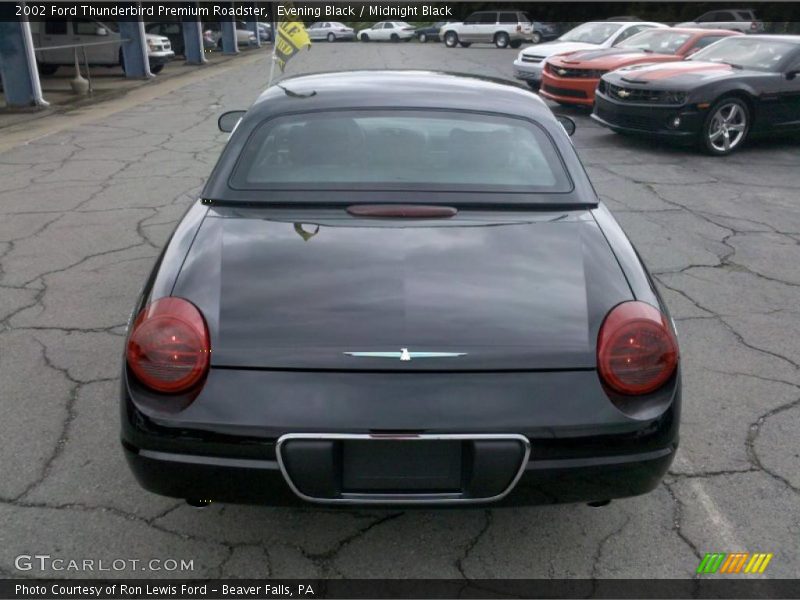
x,y
748,53
657,40
591,33
400,150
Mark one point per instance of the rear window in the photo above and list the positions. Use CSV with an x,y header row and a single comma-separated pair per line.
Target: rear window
x,y
400,150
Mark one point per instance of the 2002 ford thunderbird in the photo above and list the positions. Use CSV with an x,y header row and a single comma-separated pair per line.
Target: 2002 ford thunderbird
x,y
393,296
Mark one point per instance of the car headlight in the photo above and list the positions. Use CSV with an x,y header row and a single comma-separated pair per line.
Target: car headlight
x,y
676,97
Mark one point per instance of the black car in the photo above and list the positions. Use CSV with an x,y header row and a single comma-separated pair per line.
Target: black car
x,y
430,33
737,87
387,297
544,32
170,30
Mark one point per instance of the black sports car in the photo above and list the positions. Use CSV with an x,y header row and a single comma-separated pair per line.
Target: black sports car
x,y
735,88
390,296
430,33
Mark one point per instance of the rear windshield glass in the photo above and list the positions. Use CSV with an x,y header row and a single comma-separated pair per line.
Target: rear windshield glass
x,y
400,150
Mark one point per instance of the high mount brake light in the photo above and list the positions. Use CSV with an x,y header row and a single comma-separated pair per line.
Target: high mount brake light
x,y
169,349
637,351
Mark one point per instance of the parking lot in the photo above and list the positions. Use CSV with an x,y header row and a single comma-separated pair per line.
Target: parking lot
x,y
86,209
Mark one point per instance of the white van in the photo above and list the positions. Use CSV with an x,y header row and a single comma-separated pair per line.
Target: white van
x,y
64,32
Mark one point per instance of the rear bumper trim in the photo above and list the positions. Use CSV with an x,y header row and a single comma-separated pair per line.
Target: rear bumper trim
x,y
598,461
260,480
405,498
211,461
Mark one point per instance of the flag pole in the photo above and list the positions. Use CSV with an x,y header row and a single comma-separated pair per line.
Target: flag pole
x,y
272,67
274,42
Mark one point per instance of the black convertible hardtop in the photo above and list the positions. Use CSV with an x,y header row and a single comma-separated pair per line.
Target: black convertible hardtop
x,y
399,90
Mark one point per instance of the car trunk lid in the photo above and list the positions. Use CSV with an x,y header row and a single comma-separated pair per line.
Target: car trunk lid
x,y
468,293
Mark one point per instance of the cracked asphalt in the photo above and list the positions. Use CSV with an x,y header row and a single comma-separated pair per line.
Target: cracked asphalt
x,y
84,212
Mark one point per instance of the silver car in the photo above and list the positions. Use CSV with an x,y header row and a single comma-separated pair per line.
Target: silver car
x,y
505,28
734,19
331,31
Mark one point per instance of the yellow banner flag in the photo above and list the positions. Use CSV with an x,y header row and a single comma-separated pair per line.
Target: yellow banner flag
x,y
291,38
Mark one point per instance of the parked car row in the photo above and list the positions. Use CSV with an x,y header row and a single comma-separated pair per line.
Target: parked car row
x,y
101,41
712,86
504,29
589,36
572,78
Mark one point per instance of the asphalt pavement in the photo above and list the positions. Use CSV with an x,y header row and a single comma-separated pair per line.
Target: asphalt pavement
x,y
85,210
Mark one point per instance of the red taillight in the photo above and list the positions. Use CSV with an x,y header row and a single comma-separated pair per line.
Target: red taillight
x,y
637,352
168,349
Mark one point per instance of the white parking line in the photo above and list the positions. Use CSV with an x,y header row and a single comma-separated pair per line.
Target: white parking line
x,y
721,524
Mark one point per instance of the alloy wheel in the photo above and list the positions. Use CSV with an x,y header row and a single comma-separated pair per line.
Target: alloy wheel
x,y
727,127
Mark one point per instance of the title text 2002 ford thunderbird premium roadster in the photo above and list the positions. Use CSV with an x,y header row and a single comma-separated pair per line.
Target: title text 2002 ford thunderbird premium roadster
x,y
393,296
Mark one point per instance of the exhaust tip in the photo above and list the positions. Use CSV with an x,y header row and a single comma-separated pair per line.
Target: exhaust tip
x,y
598,503
194,503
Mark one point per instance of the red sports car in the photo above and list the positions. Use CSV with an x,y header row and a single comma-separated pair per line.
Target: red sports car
x,y
572,78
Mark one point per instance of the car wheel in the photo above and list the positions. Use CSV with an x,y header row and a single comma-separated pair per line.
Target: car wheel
x,y
47,69
451,39
331,37
422,38
122,62
364,37
536,38
156,69
394,37
726,126
501,39
465,44
516,44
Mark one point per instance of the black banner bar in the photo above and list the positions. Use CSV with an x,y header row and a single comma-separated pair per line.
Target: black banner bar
x,y
414,10
257,589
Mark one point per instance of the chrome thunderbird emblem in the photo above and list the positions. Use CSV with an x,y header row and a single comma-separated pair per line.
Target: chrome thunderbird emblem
x,y
404,354
623,93
561,71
